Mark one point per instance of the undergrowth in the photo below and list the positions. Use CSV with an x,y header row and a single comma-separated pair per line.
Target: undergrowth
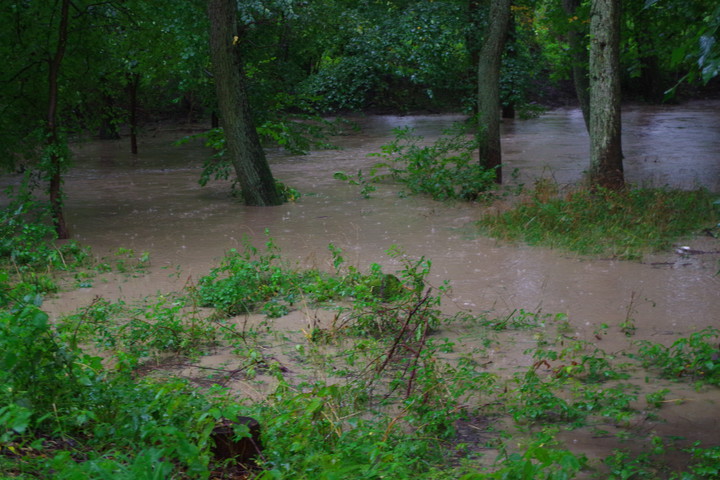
x,y
33,263
376,392
619,224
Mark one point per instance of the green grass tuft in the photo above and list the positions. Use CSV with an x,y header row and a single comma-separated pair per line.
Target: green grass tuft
x,y
623,224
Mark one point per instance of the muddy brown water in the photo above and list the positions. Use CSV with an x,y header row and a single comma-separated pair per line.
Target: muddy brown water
x,y
152,203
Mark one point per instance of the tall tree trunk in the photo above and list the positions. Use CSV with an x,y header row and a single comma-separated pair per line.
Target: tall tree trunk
x,y
606,158
241,138
580,58
490,153
56,150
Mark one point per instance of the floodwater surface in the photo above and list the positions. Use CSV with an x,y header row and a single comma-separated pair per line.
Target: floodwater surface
x,y
152,203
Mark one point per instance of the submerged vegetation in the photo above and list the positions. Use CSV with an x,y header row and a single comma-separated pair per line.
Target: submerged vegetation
x,y
443,170
621,224
374,383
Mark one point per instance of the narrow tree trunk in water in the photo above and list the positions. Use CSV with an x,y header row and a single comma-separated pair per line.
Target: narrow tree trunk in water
x,y
241,138
580,59
133,88
606,159
489,87
56,151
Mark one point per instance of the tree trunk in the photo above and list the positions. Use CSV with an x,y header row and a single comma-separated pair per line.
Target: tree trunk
x,y
241,138
606,159
579,57
490,153
57,151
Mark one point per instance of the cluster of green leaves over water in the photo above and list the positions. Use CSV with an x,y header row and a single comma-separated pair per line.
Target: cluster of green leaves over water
x,y
623,224
28,252
444,170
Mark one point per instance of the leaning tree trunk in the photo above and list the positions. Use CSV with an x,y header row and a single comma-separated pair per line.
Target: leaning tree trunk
x,y
490,153
579,57
606,159
241,138
56,151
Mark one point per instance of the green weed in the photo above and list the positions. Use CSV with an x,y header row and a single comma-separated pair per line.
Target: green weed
x,y
696,357
28,250
622,224
444,170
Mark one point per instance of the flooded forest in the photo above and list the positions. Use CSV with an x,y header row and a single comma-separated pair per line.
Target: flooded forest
x,y
395,310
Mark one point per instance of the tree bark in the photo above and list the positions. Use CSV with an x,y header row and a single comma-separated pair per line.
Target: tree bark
x,y
490,153
55,150
580,59
241,139
606,158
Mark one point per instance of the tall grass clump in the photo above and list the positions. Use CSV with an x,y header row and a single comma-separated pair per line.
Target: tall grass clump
x,y
620,224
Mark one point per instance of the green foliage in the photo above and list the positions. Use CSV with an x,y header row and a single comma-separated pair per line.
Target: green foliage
x,y
160,325
539,461
29,253
309,439
40,373
520,71
399,55
27,240
250,280
705,464
297,135
64,413
696,357
243,282
392,404
601,222
444,170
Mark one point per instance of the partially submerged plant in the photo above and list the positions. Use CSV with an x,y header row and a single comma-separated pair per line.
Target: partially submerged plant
x,y
445,169
624,224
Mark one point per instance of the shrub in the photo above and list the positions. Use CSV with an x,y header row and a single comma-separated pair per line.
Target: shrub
x,y
445,170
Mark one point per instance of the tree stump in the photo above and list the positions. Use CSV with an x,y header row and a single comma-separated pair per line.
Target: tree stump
x,y
242,450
